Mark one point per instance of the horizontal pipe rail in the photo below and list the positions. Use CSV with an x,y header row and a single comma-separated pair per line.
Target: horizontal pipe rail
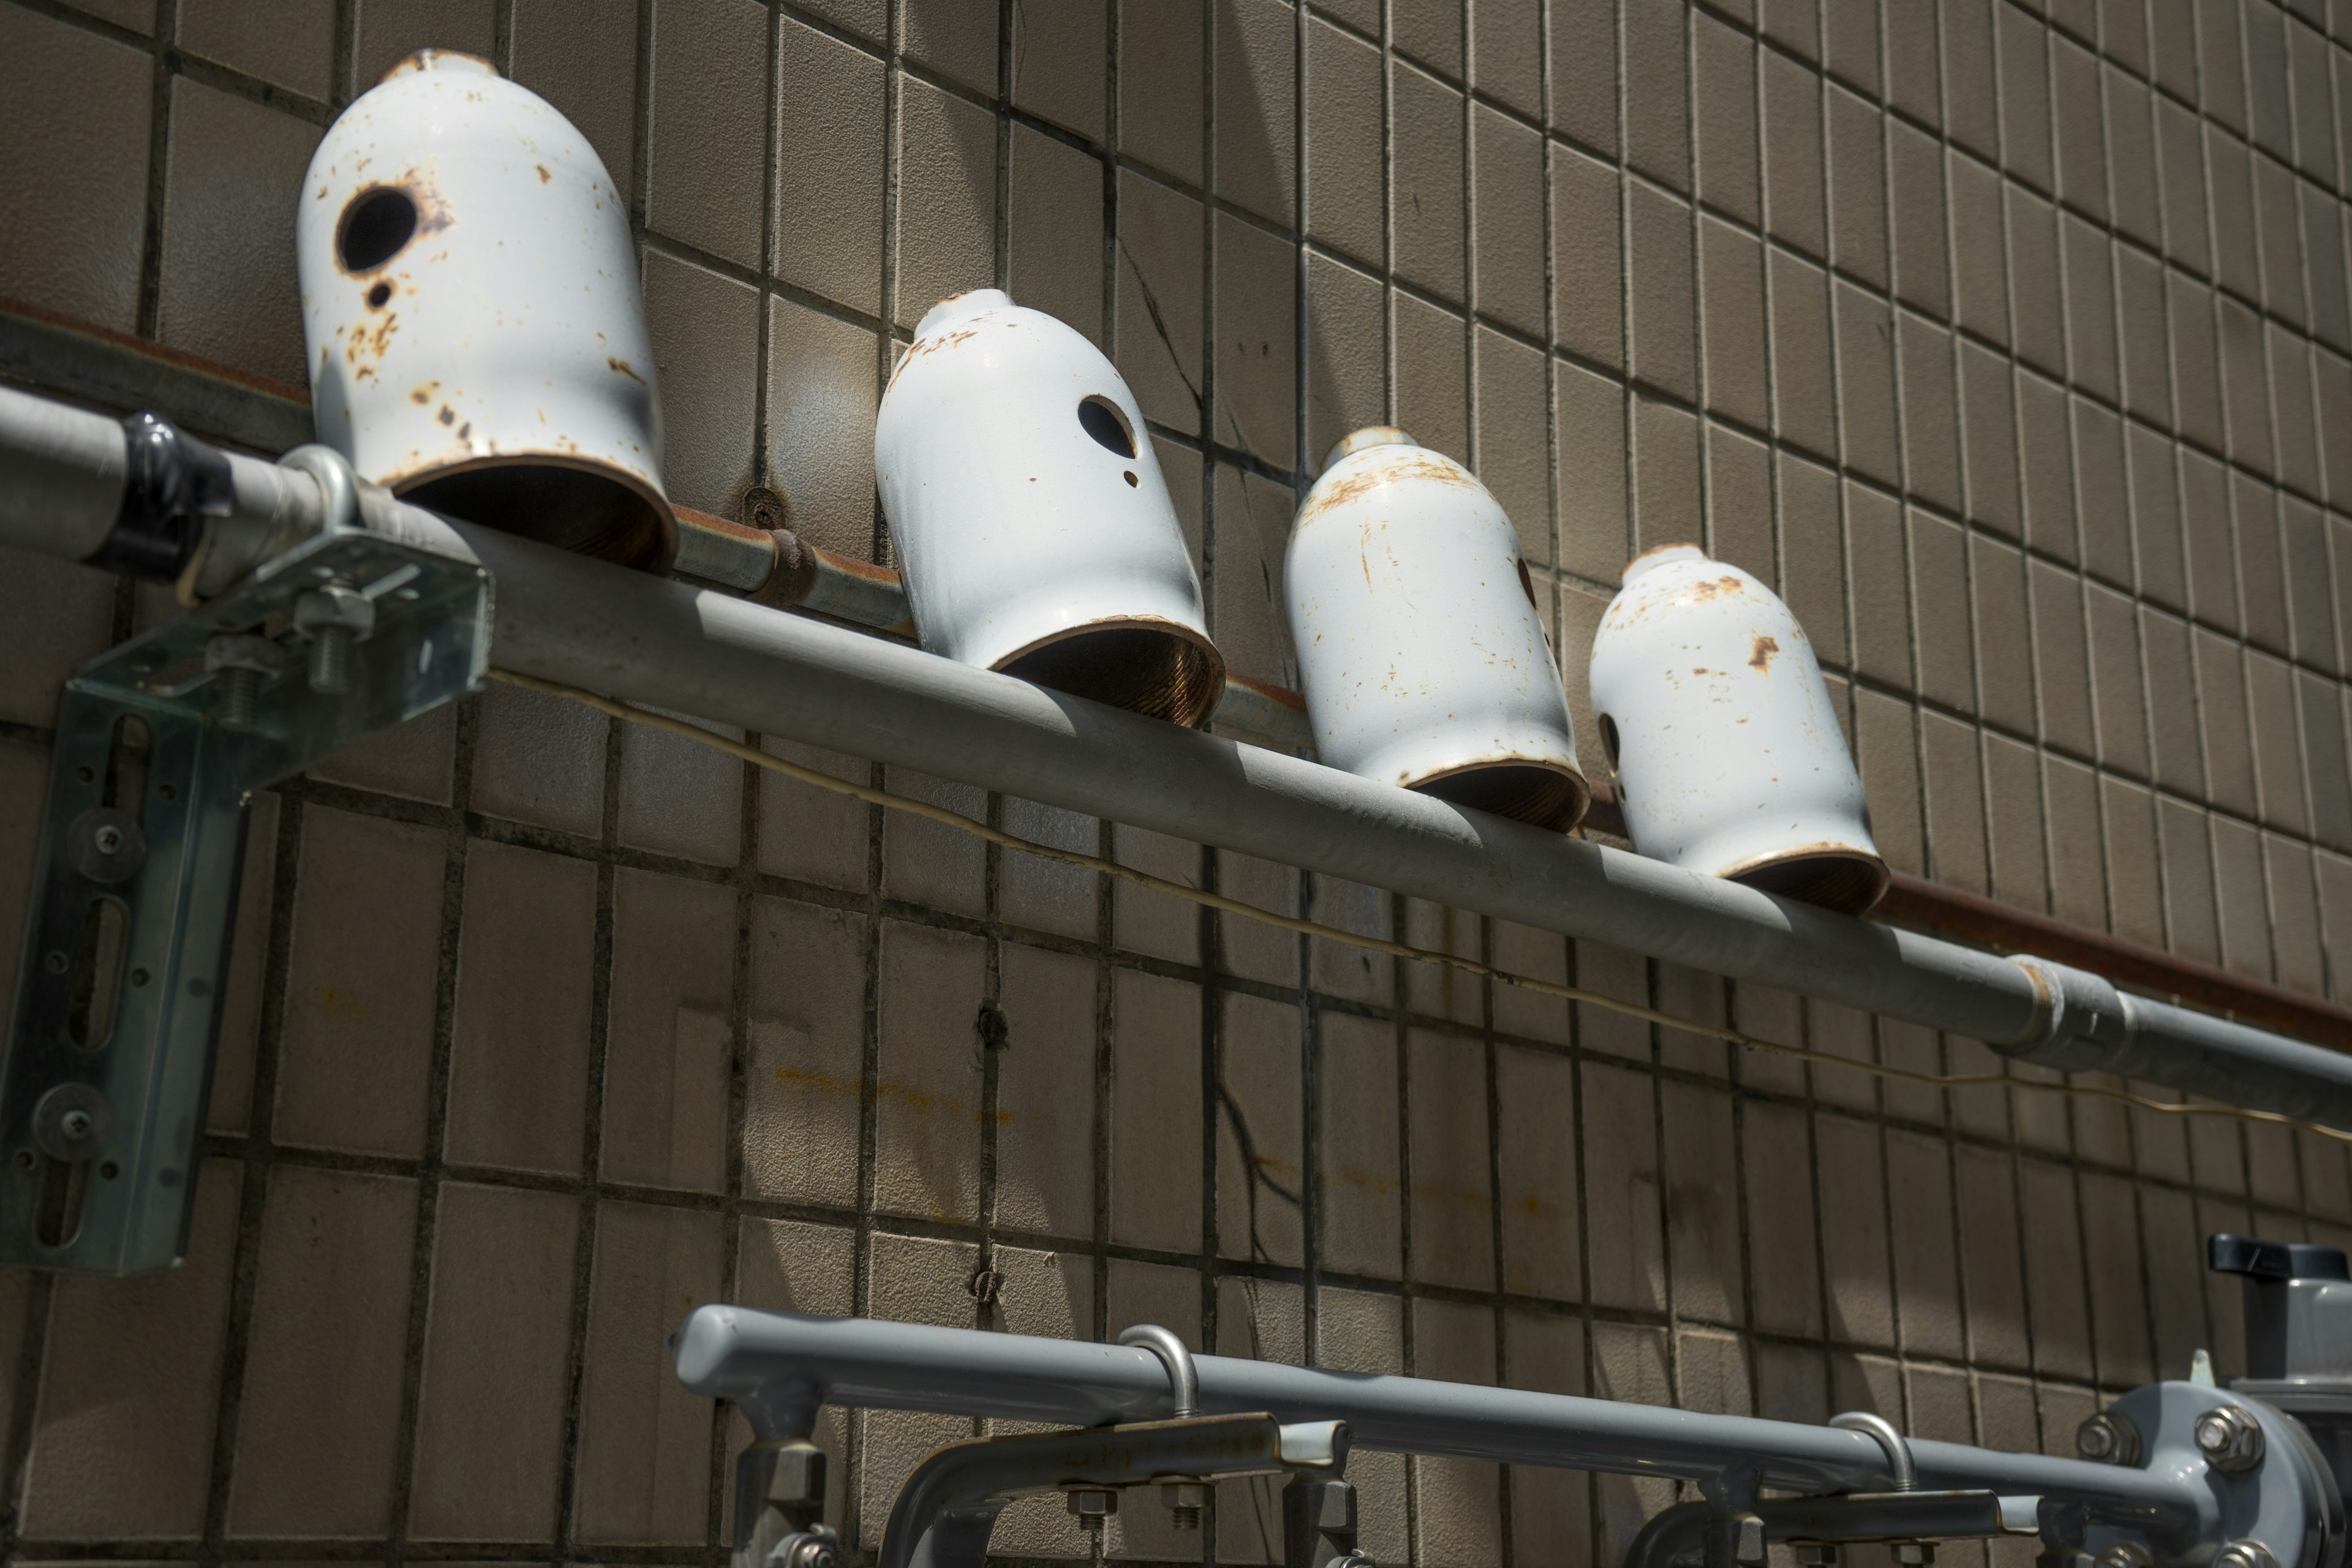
x,y
661,644
81,359
778,1367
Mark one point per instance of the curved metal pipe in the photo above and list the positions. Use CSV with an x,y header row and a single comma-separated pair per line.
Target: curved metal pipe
x,y
1898,1450
1183,1379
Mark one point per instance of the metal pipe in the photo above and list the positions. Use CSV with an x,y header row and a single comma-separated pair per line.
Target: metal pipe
x,y
642,639
778,1367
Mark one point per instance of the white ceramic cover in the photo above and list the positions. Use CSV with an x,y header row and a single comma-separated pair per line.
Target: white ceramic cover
x,y
1031,522
1729,756
1421,653
470,305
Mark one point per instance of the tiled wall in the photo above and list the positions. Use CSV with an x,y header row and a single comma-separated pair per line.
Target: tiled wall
x,y
2010,343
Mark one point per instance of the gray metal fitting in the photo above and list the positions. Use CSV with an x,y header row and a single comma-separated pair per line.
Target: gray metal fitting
x,y
333,618
1912,1553
2245,1553
2109,1438
1734,1542
1185,1499
2127,1554
1092,1505
1817,1554
242,664
2081,1023
795,1475
2230,1438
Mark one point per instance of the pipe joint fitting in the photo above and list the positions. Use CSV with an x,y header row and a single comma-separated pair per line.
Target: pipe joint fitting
x,y
2081,1023
173,485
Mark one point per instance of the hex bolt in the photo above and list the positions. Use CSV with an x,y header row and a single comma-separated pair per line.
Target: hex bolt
x,y
1817,1554
242,663
1912,1553
1092,1505
2107,1438
1184,1500
333,618
2230,1438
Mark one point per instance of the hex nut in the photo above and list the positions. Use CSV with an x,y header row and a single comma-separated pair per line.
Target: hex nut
x,y
244,651
796,1474
1817,1554
2230,1438
1092,1505
1912,1553
2107,1438
2127,1554
334,606
2245,1553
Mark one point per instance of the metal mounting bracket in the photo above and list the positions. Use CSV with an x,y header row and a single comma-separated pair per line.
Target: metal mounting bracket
x,y
134,883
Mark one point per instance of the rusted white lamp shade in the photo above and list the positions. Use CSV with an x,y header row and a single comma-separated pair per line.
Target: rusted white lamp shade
x,y
476,335
1421,652
1727,754
1033,526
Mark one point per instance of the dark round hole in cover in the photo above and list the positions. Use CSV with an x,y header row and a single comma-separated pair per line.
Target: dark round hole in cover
x,y
379,294
1101,419
375,226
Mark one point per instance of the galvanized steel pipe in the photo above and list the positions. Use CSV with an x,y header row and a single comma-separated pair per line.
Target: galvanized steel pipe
x,y
778,1367
565,618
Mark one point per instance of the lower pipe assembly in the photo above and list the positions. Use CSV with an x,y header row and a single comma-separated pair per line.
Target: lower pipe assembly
x,y
2173,1475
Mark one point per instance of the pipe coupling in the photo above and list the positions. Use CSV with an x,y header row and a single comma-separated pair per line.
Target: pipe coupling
x,y
2080,1022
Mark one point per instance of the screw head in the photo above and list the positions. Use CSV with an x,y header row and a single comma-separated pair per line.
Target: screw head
x,y
2245,1553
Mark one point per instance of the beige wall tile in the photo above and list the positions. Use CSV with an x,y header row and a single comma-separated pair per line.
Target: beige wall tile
x,y
361,985
1163,83
318,1419
1060,60
645,1442
670,1032
582,59
1257,164
493,1384
521,1045
77,115
927,1124
1257,365
828,198
124,1430
1261,1131
1046,1102
804,1078
707,160
234,177
1155,1155
1056,249
947,200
